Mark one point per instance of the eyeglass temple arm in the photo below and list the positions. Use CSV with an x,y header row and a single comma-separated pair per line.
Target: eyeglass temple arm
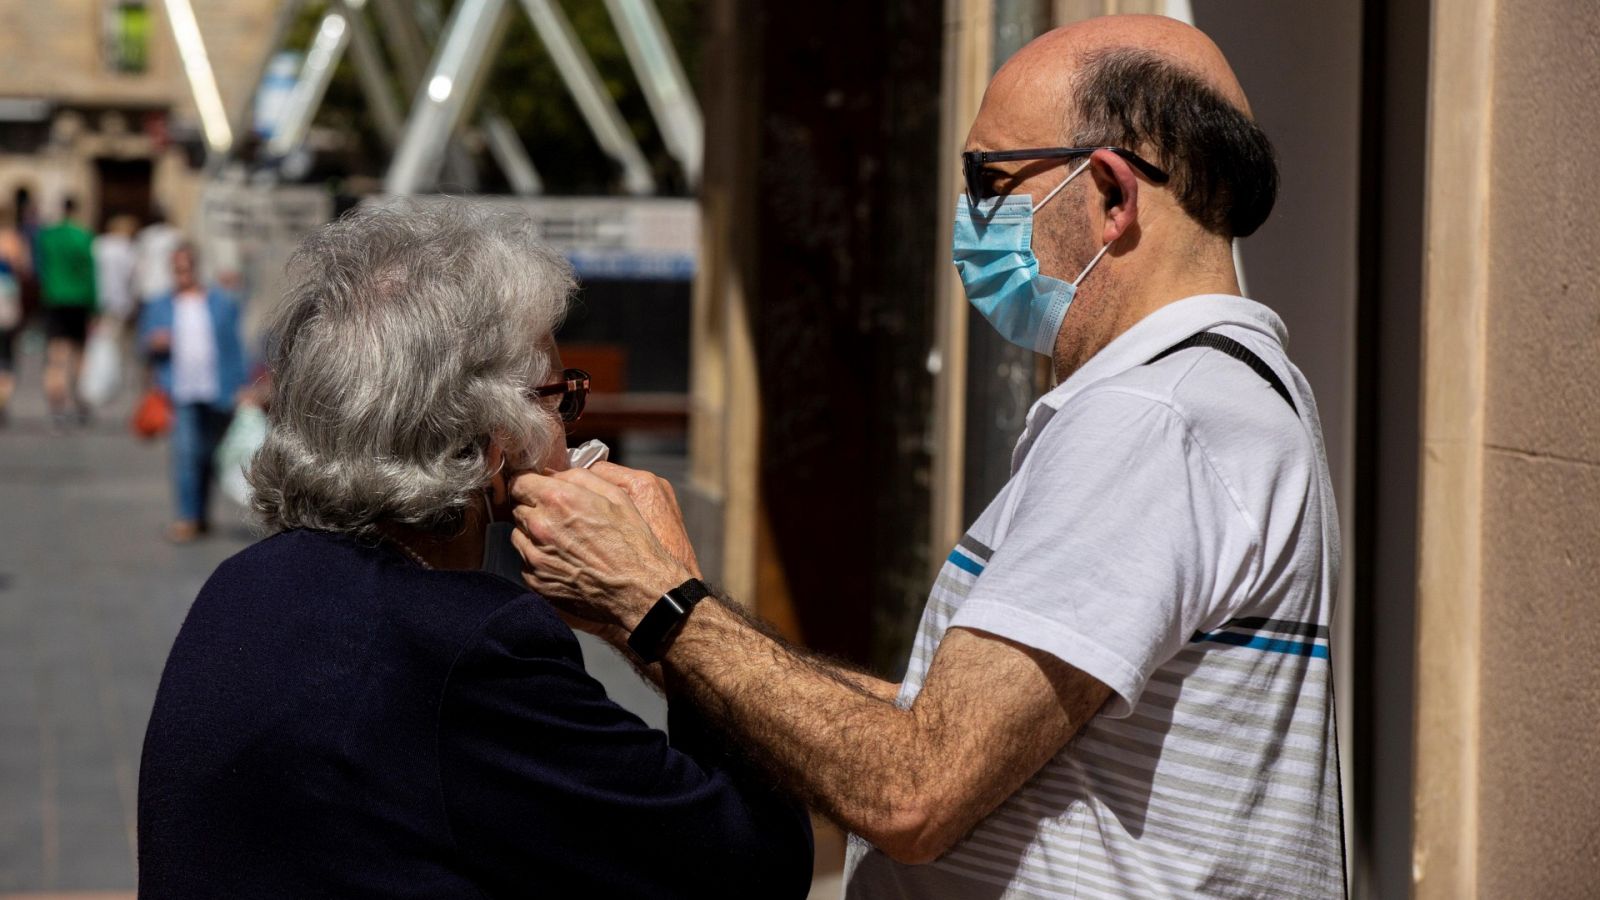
x,y
1150,171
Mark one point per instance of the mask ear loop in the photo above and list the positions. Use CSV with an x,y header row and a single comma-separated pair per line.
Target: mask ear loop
x,y
1057,189
488,502
1085,272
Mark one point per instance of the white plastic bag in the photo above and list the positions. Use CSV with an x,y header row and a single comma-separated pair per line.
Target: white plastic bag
x,y
245,435
10,302
102,367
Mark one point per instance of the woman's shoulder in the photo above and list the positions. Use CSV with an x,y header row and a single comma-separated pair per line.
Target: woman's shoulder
x,y
346,575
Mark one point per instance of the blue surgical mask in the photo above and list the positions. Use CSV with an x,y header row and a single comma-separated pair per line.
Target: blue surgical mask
x,y
993,249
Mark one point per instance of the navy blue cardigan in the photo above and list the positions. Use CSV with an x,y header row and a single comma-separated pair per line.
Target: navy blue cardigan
x,y
335,721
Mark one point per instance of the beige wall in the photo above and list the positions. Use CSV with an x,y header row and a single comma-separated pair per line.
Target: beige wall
x,y
1508,801
1539,818
51,50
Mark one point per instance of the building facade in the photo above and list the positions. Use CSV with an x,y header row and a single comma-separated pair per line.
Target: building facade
x,y
94,102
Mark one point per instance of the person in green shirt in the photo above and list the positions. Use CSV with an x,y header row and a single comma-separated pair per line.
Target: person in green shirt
x,y
65,261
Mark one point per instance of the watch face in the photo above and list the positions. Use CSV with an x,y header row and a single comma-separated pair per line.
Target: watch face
x,y
652,635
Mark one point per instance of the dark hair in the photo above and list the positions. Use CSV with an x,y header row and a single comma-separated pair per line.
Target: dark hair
x,y
69,205
1223,170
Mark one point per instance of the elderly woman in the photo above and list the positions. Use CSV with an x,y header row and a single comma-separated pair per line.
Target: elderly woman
x,y
353,708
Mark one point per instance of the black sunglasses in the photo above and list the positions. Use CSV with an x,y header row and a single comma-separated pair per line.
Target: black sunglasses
x,y
980,180
573,390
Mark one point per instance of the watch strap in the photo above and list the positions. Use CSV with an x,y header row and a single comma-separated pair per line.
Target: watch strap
x,y
653,635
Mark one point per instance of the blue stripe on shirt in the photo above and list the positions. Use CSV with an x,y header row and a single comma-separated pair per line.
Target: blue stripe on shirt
x,y
964,562
1271,645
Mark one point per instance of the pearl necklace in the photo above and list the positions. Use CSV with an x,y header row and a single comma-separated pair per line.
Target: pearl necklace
x,y
415,556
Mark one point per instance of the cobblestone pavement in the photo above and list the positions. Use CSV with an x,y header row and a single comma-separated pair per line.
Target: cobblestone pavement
x,y
91,597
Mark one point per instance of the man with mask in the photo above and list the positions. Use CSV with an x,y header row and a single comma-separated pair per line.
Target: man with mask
x,y
1120,684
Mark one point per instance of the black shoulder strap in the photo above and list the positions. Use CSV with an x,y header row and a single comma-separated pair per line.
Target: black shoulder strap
x,y
1236,350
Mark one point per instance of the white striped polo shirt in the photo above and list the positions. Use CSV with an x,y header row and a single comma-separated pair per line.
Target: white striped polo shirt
x,y
1170,530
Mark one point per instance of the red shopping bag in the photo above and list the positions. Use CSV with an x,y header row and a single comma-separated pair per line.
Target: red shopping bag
x,y
153,417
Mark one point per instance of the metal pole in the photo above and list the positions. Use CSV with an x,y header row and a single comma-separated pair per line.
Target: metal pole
x,y
333,34
202,80
510,155
376,84
404,39
243,111
597,106
666,90
463,52
410,26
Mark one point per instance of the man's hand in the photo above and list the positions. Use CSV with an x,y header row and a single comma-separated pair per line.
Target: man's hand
x,y
657,503
589,549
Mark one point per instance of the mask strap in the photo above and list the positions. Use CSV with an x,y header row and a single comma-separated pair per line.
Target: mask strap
x,y
488,502
1057,189
1091,264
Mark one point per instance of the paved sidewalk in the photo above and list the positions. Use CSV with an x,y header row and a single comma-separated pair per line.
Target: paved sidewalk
x,y
91,597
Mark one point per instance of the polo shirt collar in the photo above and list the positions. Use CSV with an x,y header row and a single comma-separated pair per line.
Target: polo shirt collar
x,y
1149,336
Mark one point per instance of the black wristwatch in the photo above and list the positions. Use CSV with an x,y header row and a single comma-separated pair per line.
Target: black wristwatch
x,y
654,633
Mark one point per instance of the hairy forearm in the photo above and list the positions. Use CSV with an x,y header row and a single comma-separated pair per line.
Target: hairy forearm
x,y
832,736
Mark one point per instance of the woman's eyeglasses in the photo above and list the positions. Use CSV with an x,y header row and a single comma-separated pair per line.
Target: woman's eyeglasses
x,y
573,389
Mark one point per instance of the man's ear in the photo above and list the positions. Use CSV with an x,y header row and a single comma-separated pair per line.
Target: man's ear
x,y
1119,191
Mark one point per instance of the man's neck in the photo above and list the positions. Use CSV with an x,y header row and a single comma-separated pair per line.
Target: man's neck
x,y
1132,297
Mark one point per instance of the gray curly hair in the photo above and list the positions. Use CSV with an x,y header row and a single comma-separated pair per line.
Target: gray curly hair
x,y
407,338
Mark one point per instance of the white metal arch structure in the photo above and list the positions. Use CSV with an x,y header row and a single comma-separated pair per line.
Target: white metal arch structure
x,y
460,60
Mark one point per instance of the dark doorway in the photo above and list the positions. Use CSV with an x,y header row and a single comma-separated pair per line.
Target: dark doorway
x,y
124,189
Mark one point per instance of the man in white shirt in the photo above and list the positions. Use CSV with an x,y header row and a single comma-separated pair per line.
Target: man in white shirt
x,y
114,265
154,247
1120,685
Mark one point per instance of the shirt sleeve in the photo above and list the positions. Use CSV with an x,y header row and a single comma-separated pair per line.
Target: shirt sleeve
x,y
552,789
1123,541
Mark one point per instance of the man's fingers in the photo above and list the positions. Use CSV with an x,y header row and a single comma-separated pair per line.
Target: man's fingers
x,y
621,476
637,482
528,486
559,491
532,522
527,549
591,482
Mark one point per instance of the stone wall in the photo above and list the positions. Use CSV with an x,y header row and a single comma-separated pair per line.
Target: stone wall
x,y
1539,770
1509,587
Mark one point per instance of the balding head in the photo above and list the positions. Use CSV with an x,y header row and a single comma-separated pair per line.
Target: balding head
x,y
1054,56
1150,84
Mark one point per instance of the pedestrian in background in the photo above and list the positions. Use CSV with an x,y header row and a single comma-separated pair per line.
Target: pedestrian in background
x,y
114,266
192,339
66,284
153,249
16,263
